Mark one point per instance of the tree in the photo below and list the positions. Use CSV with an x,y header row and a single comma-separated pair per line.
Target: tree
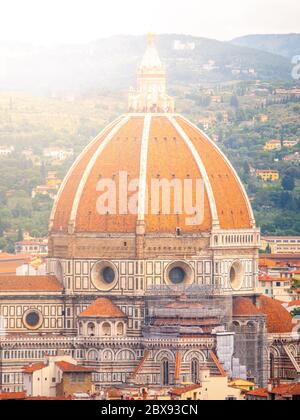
x,y
288,183
3,244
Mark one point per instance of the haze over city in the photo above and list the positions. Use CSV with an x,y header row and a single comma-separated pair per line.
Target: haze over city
x,y
56,22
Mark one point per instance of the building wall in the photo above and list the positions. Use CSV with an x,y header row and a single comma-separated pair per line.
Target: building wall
x,y
69,387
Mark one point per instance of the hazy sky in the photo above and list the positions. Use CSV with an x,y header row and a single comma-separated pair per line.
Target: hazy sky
x,y
64,21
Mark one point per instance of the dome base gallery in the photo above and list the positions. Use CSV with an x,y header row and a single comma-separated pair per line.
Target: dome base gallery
x,y
149,288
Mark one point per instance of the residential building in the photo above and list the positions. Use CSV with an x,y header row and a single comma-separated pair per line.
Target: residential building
x,y
292,158
37,246
281,244
276,288
290,143
268,174
58,154
10,263
6,151
273,145
59,376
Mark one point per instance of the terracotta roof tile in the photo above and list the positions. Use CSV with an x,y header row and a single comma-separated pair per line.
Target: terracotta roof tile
x,y
279,320
294,303
244,307
71,368
12,396
271,279
29,284
103,308
34,368
260,392
183,390
287,389
231,204
166,148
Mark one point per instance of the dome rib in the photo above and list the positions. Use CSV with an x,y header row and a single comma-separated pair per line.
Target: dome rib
x,y
235,219
143,168
84,179
54,223
202,169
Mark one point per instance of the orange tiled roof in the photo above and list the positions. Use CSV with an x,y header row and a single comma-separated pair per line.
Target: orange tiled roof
x,y
287,389
34,368
14,257
12,396
10,268
183,390
294,303
279,320
103,308
168,156
29,284
244,307
71,368
271,279
260,392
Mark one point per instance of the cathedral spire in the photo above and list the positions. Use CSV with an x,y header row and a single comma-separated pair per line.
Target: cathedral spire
x,y
151,94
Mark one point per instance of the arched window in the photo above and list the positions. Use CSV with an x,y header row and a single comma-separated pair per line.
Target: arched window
x,y
165,372
106,329
195,371
91,329
272,366
93,356
120,329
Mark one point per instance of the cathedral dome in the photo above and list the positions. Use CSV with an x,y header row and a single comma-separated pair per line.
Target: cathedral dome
x,y
150,143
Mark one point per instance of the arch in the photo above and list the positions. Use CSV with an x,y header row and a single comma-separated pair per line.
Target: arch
x,y
195,367
273,368
164,354
120,329
126,354
93,355
106,328
91,329
165,372
236,326
293,349
107,355
59,271
194,354
251,327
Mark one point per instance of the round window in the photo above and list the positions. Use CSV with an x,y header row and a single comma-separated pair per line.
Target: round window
x,y
108,275
104,276
33,320
236,275
177,275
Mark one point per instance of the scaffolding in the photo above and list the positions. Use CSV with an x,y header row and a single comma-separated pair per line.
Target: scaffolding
x,y
194,314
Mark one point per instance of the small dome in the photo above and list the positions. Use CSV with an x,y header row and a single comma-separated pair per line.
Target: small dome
x,y
279,320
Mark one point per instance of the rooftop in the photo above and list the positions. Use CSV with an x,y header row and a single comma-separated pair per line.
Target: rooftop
x,y
29,284
183,390
103,308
